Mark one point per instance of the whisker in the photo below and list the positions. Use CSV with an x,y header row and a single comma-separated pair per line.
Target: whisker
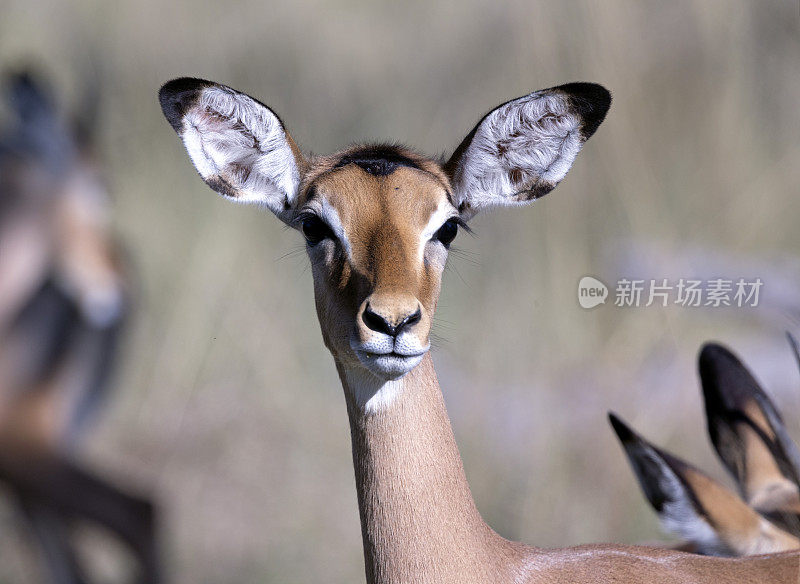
x,y
293,253
472,257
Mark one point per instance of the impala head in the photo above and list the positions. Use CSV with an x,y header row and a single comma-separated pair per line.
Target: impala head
x,y
379,220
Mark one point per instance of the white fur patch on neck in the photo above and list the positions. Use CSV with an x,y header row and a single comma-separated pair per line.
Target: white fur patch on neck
x,y
537,136
372,394
230,135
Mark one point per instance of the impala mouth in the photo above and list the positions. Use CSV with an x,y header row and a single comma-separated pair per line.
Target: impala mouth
x,y
390,365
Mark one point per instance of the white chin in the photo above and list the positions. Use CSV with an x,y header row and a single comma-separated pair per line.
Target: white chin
x,y
390,366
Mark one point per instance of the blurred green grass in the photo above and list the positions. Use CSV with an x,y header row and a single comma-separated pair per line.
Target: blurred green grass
x,y
227,401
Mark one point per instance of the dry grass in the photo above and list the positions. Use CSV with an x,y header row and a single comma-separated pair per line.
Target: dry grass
x,y
228,402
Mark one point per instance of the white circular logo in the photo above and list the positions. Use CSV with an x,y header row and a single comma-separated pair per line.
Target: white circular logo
x,y
591,292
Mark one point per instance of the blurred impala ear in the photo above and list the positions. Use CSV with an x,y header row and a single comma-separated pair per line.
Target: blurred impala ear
x,y
748,432
522,149
667,491
238,145
696,507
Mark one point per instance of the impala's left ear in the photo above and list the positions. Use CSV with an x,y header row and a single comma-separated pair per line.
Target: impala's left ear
x,y
522,149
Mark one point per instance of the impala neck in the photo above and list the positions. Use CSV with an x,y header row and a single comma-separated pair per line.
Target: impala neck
x,y
418,519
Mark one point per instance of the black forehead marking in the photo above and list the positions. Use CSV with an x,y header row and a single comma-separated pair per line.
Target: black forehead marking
x,y
388,158
377,160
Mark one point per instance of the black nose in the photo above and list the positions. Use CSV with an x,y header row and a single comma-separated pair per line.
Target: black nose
x,y
379,322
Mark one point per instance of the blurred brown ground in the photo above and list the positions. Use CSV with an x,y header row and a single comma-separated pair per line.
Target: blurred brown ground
x,y
227,401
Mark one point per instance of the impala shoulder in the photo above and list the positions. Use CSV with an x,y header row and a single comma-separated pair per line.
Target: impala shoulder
x,y
630,564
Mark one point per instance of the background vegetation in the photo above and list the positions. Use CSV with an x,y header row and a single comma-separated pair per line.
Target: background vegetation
x,y
227,404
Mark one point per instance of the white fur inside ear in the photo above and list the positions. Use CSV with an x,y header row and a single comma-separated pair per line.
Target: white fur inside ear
x,y
528,141
232,137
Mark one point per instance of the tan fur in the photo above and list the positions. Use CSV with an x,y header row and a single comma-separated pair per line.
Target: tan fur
x,y
383,217
765,487
738,526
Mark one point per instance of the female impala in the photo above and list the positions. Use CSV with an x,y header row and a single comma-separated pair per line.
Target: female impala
x,y
378,222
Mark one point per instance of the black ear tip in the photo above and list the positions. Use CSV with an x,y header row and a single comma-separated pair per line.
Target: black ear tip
x,y
177,96
594,92
727,383
183,84
714,351
714,359
624,433
591,101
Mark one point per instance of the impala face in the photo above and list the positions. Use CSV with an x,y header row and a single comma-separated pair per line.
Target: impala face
x,y
378,220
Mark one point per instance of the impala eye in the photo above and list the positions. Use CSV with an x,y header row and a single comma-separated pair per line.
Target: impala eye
x,y
447,232
315,230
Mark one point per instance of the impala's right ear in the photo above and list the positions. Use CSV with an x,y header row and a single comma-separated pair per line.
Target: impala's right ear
x,y
238,145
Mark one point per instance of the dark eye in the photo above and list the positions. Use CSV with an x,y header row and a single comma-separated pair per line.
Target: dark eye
x,y
315,230
447,232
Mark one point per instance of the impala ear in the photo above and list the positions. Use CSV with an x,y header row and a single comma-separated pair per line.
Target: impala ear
x,y
238,145
522,149
671,497
748,432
